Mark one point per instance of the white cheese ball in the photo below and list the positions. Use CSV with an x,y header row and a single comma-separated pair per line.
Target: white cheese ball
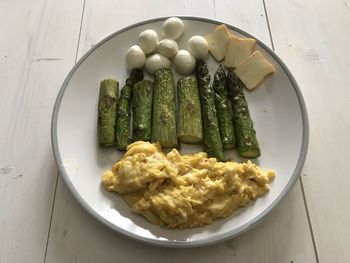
x,y
135,57
168,48
148,40
198,46
184,62
173,27
155,62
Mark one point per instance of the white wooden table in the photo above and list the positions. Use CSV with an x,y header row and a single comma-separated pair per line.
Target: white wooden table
x,y
40,40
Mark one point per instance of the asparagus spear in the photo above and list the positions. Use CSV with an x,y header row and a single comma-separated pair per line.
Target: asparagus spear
x,y
190,118
107,104
211,133
123,129
164,119
142,110
246,142
223,109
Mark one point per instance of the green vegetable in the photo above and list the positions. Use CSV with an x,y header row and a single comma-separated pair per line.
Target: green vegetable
x,y
223,109
164,118
190,118
142,110
107,105
246,142
123,129
211,133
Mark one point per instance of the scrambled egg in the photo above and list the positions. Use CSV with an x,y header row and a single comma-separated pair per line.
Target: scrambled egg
x,y
183,191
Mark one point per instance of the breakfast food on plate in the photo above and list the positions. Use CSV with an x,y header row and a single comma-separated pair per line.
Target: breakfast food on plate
x,y
174,190
217,42
254,69
142,110
189,111
211,133
184,62
173,28
238,49
107,107
198,46
168,47
223,109
148,40
183,191
156,61
246,142
135,57
122,118
164,116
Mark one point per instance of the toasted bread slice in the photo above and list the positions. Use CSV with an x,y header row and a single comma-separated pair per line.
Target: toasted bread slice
x,y
253,70
217,42
237,50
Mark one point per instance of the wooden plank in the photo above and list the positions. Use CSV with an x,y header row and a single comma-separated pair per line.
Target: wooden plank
x,y
76,237
100,22
312,37
36,51
249,16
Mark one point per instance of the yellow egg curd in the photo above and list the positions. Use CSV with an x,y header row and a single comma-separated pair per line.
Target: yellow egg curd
x,y
183,191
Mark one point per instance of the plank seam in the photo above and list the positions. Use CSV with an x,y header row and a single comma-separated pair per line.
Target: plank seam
x,y
81,26
309,220
268,25
52,209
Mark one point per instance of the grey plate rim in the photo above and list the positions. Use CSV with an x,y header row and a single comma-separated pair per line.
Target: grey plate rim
x,y
180,244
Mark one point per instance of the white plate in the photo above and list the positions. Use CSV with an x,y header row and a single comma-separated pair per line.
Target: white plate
x,y
277,109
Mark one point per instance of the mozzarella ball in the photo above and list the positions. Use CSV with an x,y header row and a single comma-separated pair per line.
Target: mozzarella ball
x,y
148,40
135,57
198,46
184,62
173,27
168,48
155,62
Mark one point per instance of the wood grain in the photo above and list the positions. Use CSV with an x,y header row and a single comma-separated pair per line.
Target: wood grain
x,y
37,48
313,38
76,237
